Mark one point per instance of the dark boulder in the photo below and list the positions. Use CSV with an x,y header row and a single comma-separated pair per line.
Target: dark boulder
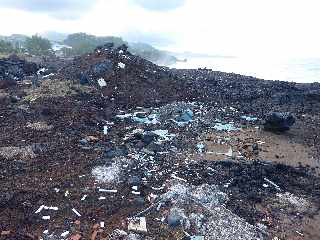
x,y
279,121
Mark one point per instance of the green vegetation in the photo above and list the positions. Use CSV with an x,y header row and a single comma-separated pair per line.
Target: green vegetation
x,y
6,47
37,45
82,43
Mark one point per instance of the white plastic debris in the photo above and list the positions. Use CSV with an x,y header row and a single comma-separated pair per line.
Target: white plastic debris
x,y
49,75
64,234
76,212
121,65
164,135
46,232
137,224
102,198
273,184
135,188
135,193
41,70
40,209
51,208
178,178
102,82
66,194
105,130
84,197
46,217
108,191
102,224
46,208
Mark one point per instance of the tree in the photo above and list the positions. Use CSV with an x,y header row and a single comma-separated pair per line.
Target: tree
x,y
37,45
6,47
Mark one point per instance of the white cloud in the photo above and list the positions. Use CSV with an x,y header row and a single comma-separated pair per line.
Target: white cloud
x,y
247,27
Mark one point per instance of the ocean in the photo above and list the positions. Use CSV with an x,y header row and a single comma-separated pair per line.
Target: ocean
x,y
306,70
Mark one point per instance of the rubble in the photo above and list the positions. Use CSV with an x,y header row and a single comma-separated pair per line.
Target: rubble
x,y
14,69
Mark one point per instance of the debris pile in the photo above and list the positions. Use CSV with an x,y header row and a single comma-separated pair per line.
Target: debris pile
x,y
13,69
114,147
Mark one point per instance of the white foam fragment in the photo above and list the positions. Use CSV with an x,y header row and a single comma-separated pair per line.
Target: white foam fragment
x,y
64,234
102,224
102,198
84,197
105,130
76,212
135,193
46,232
46,217
102,82
121,65
105,174
135,188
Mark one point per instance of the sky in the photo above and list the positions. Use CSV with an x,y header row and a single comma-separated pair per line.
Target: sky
x,y
281,28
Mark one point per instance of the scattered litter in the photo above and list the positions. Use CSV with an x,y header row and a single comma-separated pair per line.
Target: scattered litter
x,y
196,237
249,119
121,65
102,82
200,147
137,224
105,130
84,197
164,135
76,212
46,217
66,194
135,193
40,209
64,234
273,184
108,191
102,198
102,224
225,127
105,174
178,178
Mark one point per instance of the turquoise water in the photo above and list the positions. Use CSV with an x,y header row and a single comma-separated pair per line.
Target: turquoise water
x,y
304,70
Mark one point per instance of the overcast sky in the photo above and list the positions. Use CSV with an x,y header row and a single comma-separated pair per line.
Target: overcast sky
x,y
285,28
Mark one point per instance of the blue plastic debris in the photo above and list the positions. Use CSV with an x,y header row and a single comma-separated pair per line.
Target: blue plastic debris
x,y
197,238
186,116
200,147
